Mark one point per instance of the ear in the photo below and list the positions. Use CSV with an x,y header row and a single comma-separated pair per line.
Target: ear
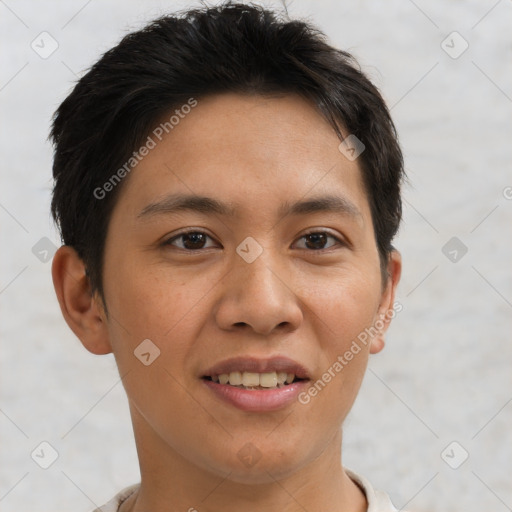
x,y
83,311
386,312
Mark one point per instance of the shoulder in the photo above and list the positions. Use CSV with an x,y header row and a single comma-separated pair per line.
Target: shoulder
x,y
114,504
378,501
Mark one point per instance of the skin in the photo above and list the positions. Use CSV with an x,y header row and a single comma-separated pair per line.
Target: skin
x,y
208,304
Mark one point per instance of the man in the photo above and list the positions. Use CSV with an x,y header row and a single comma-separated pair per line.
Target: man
x,y
227,187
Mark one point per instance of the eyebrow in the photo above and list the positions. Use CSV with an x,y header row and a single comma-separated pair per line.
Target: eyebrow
x,y
203,204
330,203
177,202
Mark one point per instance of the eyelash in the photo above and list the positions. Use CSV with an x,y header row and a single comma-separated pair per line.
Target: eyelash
x,y
339,242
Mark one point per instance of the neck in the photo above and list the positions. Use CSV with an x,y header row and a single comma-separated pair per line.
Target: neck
x,y
171,482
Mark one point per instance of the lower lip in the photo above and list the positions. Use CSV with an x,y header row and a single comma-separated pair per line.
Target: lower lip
x,y
257,400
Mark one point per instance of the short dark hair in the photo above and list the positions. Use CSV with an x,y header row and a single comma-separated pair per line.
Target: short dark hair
x,y
202,52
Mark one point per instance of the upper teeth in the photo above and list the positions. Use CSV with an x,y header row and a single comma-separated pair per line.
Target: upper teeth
x,y
250,379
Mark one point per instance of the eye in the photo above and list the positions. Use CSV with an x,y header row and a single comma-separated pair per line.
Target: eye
x,y
191,240
318,240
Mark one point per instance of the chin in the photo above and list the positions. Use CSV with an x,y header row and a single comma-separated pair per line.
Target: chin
x,y
261,473
253,467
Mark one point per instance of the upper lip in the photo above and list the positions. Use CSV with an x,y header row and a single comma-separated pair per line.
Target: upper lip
x,y
258,365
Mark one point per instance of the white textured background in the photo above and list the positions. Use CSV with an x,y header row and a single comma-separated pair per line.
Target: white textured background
x,y
446,372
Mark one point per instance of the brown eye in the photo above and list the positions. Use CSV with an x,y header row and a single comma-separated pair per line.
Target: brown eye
x,y
318,240
193,240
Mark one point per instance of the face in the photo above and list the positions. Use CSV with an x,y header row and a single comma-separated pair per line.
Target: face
x,y
243,245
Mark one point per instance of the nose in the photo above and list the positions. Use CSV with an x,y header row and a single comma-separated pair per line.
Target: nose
x,y
258,296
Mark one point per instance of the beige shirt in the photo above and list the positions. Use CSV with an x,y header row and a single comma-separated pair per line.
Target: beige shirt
x,y
378,501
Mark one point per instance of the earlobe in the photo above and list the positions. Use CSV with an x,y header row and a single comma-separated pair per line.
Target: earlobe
x,y
386,306
377,344
79,306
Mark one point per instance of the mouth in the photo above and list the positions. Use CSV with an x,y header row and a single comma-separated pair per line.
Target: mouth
x,y
257,385
253,380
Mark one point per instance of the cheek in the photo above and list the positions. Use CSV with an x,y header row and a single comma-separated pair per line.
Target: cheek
x,y
162,307
343,311
343,305
168,310
152,298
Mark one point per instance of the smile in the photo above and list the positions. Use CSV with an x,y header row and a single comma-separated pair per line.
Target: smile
x,y
252,380
257,385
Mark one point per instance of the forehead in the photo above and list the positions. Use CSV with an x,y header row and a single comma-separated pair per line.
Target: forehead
x,y
245,150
